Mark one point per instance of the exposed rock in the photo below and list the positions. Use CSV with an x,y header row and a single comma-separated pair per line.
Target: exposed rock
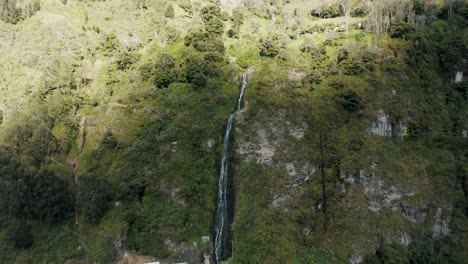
x,y
278,200
384,128
414,214
296,131
210,143
356,259
132,258
172,246
291,169
263,149
459,77
191,255
405,239
441,225
205,239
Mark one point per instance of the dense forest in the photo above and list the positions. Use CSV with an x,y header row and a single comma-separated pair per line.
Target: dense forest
x,y
351,146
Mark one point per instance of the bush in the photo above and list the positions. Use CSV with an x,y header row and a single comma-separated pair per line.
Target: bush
x,y
162,79
402,30
269,48
394,253
169,11
215,26
232,33
209,12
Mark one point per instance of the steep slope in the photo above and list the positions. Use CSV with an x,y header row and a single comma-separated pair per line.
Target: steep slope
x,y
351,146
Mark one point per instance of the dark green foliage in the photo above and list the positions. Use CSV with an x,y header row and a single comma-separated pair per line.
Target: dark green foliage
x,y
20,233
269,48
93,197
418,6
349,100
125,60
162,72
421,251
203,42
162,79
215,26
209,12
28,194
327,11
372,259
169,11
402,30
394,253
232,33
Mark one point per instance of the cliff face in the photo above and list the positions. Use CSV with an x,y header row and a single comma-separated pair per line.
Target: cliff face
x,y
351,146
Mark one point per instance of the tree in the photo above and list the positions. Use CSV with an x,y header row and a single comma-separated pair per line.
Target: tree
x,y
169,11
93,197
215,26
269,48
209,12
394,253
21,234
383,13
346,6
327,120
237,18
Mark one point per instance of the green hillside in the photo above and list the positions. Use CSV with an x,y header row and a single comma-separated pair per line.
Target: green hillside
x,y
351,146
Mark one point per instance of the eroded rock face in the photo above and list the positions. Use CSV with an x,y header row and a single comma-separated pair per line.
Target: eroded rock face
x,y
440,226
264,146
384,128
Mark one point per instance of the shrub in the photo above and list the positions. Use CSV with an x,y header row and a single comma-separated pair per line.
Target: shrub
x,y
269,48
169,11
232,33
402,30
209,12
215,26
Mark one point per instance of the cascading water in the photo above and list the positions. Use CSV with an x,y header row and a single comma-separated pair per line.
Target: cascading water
x,y
223,242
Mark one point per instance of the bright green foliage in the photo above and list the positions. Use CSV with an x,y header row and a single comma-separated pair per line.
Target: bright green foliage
x,y
88,103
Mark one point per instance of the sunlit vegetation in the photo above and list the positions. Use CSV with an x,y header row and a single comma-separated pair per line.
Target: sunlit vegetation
x,y
112,116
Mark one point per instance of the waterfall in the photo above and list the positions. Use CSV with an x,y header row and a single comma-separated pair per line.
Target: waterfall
x,y
223,248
